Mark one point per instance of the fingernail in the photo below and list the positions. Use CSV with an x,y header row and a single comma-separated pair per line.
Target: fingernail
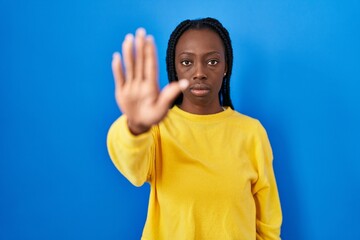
x,y
116,55
141,32
150,38
129,37
183,83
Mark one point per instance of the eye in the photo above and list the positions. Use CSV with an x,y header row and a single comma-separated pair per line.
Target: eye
x,y
213,62
185,63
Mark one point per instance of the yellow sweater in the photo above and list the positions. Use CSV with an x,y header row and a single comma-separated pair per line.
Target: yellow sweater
x,y
211,176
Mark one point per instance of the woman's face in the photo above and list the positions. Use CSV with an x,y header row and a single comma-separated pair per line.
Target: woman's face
x,y
200,58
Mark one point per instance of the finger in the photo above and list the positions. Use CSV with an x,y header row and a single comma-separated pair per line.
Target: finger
x,y
170,92
151,68
139,51
127,49
117,71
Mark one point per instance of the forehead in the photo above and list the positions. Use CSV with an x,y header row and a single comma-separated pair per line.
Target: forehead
x,y
199,40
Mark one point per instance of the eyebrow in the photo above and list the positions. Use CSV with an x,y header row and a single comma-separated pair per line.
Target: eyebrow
x,y
206,54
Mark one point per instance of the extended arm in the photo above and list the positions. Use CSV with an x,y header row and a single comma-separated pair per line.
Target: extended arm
x,y
130,142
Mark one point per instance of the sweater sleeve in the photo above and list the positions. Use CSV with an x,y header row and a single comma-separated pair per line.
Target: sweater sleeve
x,y
268,209
132,155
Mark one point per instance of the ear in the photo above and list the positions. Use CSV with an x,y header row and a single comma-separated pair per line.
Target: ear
x,y
225,70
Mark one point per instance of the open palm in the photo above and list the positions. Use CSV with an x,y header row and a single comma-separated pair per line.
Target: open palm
x,y
137,90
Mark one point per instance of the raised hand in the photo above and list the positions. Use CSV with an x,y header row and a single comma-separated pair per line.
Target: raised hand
x,y
137,90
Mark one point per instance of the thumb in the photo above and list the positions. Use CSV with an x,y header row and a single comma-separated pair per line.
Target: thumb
x,y
170,92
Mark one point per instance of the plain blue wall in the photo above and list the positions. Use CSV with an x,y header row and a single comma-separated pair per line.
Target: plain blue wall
x,y
296,68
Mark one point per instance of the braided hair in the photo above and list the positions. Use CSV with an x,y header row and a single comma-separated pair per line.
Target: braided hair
x,y
203,23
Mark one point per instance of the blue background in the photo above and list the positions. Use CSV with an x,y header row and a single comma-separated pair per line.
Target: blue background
x,y
296,68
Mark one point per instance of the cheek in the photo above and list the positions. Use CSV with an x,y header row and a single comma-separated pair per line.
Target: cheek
x,y
177,71
217,74
219,84
218,78
182,72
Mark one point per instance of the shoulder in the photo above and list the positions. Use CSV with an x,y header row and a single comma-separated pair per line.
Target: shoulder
x,y
252,126
244,120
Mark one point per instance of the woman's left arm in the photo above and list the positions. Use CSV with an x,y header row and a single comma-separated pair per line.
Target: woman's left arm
x,y
268,208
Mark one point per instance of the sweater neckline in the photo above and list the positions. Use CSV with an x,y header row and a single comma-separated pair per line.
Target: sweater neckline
x,y
206,117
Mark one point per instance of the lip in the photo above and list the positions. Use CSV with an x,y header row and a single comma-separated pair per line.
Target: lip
x,y
199,89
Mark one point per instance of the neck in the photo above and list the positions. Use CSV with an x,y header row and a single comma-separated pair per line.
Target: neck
x,y
201,110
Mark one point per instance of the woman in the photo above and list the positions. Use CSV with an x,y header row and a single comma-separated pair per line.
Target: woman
x,y
209,167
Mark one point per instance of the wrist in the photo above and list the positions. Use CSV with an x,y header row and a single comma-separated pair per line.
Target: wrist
x,y
137,128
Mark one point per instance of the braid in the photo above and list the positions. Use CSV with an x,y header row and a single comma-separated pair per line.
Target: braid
x,y
203,23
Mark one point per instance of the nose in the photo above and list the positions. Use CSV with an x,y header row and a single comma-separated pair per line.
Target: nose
x,y
200,73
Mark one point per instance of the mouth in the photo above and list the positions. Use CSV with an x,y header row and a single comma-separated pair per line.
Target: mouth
x,y
199,90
